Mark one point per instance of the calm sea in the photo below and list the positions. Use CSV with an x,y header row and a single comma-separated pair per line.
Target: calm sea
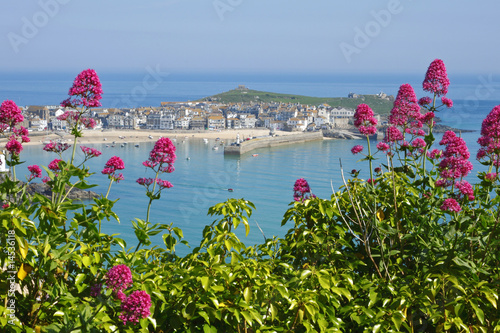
x,y
204,179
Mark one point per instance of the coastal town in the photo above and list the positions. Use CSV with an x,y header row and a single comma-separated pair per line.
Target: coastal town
x,y
209,114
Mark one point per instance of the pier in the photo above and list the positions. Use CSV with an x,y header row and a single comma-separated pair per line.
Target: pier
x,y
271,141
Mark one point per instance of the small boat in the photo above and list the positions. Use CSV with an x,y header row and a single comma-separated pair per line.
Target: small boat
x,y
122,145
255,155
215,148
230,190
205,140
150,136
188,158
136,145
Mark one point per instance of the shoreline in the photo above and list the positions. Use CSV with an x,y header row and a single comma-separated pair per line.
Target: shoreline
x,y
138,136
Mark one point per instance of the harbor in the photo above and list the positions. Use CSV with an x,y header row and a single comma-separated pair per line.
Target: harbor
x,y
245,146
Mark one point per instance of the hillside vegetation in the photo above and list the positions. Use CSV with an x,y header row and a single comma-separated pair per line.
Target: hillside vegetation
x,y
379,105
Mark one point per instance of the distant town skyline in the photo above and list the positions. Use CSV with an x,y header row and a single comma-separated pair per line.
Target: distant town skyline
x,y
224,36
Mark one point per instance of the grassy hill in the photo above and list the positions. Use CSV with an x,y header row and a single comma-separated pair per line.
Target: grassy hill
x,y
379,105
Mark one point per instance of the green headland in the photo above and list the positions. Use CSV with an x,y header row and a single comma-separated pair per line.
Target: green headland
x,y
381,104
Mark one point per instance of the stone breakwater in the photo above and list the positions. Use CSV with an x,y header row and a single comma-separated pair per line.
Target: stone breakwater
x,y
271,141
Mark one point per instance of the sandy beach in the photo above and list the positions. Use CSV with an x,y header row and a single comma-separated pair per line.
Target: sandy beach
x,y
137,136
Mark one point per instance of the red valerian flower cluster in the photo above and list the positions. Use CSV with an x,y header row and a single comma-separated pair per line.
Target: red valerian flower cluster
x,y
90,152
135,307
436,80
451,205
112,165
301,190
10,115
35,172
119,278
356,149
454,166
162,156
455,163
74,118
490,138
364,120
56,147
54,165
86,90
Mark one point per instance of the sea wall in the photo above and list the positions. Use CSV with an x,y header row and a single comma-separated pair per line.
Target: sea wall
x,y
249,145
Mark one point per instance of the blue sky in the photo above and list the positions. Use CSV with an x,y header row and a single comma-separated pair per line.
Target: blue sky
x,y
282,36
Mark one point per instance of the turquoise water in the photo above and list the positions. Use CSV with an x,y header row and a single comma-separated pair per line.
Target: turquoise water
x,y
203,180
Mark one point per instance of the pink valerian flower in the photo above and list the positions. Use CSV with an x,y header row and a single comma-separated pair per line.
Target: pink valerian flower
x,y
89,123
145,181
162,156
377,170
490,137
455,163
382,146
418,143
356,149
436,80
95,290
35,172
406,112
393,134
424,101
301,190
135,307
113,164
446,101
465,189
14,147
427,118
21,132
364,120
119,278
69,116
54,165
56,147
451,205
5,206
90,152
491,177
10,115
371,181
86,90
434,154
164,183
45,180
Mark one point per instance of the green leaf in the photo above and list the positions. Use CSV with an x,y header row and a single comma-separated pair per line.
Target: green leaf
x,y
305,273
247,295
205,280
87,261
479,312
